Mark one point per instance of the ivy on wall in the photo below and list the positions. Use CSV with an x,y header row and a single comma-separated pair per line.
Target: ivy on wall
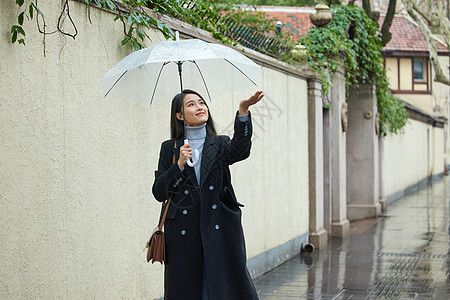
x,y
352,39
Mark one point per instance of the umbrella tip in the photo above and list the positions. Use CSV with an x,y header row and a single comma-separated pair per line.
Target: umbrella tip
x,y
177,36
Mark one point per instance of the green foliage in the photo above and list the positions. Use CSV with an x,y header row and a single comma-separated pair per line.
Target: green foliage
x,y
351,39
17,31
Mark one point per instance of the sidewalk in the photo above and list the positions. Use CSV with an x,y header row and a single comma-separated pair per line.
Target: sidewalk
x,y
402,255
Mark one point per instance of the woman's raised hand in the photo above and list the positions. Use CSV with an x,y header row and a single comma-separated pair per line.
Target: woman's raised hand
x,y
185,154
245,104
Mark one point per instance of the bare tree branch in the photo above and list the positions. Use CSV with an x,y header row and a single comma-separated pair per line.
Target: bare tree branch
x,y
439,75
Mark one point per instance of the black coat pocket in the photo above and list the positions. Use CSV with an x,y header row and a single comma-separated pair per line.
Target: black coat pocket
x,y
229,200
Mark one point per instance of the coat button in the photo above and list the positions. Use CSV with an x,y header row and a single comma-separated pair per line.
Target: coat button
x,y
185,212
217,227
211,187
183,232
214,206
186,192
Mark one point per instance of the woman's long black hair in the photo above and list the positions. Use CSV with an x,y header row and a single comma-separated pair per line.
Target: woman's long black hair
x,y
177,126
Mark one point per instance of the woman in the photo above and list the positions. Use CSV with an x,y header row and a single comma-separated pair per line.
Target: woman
x,y
205,246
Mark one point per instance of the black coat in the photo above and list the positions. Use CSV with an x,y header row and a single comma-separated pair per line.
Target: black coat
x,y
205,219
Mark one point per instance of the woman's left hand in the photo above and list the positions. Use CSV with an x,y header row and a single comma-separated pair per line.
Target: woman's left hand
x,y
245,104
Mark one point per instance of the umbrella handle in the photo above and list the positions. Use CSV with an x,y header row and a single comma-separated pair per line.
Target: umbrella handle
x,y
195,156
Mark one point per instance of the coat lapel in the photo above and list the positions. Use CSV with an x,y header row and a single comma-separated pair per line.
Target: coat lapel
x,y
208,157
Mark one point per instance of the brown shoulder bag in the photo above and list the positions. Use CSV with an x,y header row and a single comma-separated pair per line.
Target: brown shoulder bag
x,y
156,245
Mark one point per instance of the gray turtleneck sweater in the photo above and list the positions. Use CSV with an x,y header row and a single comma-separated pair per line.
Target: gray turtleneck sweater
x,y
196,136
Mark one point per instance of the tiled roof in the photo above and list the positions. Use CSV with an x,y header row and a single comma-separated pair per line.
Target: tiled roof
x,y
408,37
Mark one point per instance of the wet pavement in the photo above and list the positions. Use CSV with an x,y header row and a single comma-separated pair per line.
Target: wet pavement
x,y
404,254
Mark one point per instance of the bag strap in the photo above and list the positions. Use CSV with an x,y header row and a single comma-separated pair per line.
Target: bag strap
x,y
163,219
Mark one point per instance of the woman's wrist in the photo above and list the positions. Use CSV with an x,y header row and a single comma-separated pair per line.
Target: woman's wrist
x,y
243,111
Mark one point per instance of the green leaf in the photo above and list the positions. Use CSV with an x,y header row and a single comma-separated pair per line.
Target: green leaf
x,y
136,45
153,21
20,18
110,5
19,2
30,11
21,31
125,40
145,21
130,31
21,41
140,34
14,37
139,19
161,25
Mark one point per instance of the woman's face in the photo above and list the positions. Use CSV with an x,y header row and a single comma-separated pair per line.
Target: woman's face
x,y
195,110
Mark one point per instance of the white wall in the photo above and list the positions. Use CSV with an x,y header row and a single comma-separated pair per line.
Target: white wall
x,y
412,156
77,170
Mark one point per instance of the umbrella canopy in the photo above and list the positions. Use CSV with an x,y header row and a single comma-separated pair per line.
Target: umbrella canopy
x,y
151,75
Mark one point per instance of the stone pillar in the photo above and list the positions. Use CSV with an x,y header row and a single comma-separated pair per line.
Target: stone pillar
x,y
362,155
340,226
318,236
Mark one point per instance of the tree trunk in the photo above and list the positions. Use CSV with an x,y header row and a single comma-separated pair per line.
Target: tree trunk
x,y
385,29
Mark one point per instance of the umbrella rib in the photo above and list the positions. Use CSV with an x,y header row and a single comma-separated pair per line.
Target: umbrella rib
x,y
157,80
115,83
203,78
241,71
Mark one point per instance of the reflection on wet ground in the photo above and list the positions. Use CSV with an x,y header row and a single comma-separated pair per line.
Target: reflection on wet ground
x,y
401,255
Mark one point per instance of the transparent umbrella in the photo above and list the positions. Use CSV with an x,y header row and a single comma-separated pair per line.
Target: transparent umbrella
x,y
158,73
150,75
